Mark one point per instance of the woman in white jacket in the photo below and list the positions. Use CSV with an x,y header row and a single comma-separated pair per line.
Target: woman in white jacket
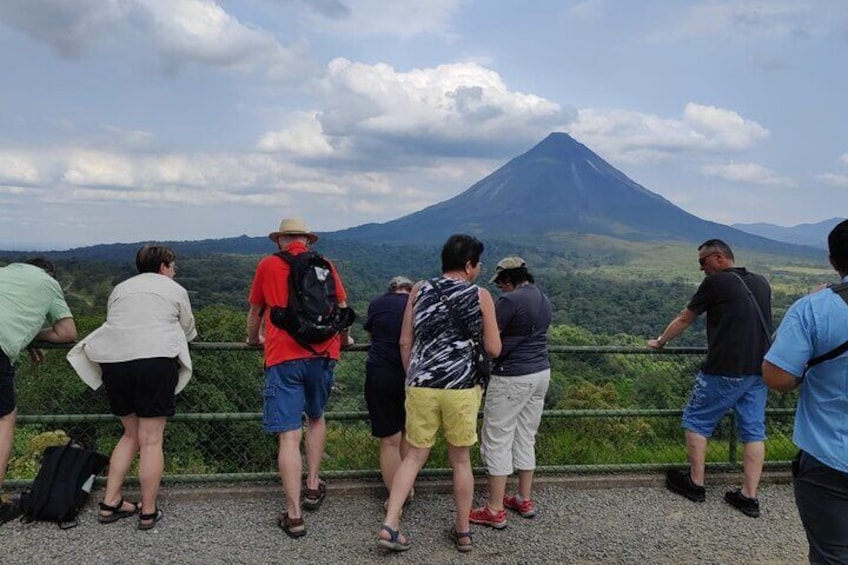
x,y
141,356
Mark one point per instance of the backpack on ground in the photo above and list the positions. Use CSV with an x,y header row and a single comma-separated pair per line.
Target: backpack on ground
x,y
312,314
62,485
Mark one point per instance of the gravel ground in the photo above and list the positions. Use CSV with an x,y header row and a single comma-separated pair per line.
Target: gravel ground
x,y
577,523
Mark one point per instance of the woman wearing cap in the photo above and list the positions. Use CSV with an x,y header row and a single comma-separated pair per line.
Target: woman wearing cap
x,y
385,376
516,393
442,390
141,357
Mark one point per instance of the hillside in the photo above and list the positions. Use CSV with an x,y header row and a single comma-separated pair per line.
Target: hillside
x,y
814,235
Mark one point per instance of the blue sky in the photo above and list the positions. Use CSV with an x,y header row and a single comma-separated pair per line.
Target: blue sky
x,y
129,120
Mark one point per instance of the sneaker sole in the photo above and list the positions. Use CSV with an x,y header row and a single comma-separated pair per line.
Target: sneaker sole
x,y
495,525
684,493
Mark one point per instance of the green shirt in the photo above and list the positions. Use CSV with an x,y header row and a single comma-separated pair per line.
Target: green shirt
x,y
29,300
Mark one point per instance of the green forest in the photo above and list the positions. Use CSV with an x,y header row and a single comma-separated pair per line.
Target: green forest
x,y
600,299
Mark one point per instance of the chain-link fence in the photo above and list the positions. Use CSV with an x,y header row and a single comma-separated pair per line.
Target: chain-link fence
x,y
608,408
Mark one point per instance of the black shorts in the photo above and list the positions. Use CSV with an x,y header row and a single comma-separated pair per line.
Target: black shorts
x,y
7,385
144,387
385,394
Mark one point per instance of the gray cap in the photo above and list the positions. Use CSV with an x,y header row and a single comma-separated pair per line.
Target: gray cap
x,y
400,281
506,264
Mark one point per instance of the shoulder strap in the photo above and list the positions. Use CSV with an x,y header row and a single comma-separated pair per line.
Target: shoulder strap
x,y
842,290
466,333
756,305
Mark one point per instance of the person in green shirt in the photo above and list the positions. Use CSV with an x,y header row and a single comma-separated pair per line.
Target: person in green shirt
x,y
32,308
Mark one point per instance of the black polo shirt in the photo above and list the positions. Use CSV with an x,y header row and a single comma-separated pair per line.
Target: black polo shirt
x,y
736,340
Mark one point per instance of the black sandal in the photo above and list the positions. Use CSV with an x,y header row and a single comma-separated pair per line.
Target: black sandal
x,y
115,512
148,521
456,536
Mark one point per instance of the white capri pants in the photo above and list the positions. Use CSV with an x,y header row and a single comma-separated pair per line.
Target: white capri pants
x,y
511,419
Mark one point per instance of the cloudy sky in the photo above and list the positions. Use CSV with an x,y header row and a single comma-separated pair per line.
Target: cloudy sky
x,y
129,120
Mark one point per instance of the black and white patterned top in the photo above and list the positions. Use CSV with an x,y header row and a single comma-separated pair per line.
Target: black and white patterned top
x,y
441,356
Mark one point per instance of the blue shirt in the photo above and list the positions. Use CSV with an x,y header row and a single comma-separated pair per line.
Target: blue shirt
x,y
814,325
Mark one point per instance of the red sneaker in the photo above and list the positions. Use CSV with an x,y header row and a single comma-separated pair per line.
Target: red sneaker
x,y
526,507
484,516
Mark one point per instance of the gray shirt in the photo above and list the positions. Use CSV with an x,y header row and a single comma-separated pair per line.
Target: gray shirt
x,y
524,316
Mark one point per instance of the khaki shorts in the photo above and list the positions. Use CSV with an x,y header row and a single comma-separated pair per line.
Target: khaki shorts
x,y
428,409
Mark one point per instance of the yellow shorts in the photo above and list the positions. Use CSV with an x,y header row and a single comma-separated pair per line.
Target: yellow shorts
x,y
429,408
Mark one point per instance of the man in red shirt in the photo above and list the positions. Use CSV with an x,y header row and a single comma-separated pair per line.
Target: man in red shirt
x,y
297,379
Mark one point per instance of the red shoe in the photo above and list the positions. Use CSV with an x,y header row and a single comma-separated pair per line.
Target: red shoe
x,y
526,507
484,516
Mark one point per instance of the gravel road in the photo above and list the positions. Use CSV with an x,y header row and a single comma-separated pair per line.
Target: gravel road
x,y
612,520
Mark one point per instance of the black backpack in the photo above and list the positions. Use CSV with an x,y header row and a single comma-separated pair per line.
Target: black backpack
x,y
62,485
313,314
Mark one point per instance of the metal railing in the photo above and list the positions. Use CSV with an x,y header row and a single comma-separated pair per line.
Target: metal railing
x,y
609,409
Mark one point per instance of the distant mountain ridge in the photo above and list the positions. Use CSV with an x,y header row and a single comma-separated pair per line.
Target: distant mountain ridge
x,y
559,186
559,191
814,235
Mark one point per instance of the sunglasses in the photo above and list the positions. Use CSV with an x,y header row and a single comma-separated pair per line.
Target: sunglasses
x,y
703,260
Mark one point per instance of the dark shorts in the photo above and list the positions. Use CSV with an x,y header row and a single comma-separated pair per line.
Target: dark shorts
x,y
7,385
144,387
821,495
385,394
295,387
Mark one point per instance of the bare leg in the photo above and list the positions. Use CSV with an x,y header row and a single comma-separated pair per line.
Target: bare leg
x,y
402,483
7,436
755,454
390,457
120,463
290,466
696,449
463,484
151,460
316,435
497,490
525,484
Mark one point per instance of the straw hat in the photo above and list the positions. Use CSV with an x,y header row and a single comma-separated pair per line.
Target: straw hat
x,y
293,226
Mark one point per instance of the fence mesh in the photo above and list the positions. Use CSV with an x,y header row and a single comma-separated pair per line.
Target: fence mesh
x,y
607,408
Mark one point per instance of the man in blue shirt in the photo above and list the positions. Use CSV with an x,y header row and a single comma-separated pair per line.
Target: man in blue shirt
x,y
813,326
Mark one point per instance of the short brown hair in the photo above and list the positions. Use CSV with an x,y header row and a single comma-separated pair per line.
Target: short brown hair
x,y
150,258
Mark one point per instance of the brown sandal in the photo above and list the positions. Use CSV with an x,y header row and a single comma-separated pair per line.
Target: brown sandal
x,y
294,527
312,498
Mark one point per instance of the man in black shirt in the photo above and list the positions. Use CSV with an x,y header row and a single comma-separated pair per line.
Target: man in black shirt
x,y
738,307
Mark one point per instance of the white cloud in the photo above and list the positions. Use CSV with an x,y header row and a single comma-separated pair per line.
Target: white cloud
x,y
422,111
399,18
844,158
735,19
588,9
749,173
839,181
179,32
303,137
18,168
638,137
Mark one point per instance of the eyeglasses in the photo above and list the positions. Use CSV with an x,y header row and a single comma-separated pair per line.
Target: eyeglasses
x,y
703,260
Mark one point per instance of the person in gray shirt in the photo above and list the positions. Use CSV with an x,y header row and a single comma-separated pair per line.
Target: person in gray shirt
x,y
515,396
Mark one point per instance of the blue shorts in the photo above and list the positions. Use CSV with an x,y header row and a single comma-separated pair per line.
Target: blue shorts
x,y
714,395
295,387
7,385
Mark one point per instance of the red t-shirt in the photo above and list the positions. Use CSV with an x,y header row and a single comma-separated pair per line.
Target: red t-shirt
x,y
271,288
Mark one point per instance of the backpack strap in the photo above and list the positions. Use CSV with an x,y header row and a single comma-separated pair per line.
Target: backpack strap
x,y
842,290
